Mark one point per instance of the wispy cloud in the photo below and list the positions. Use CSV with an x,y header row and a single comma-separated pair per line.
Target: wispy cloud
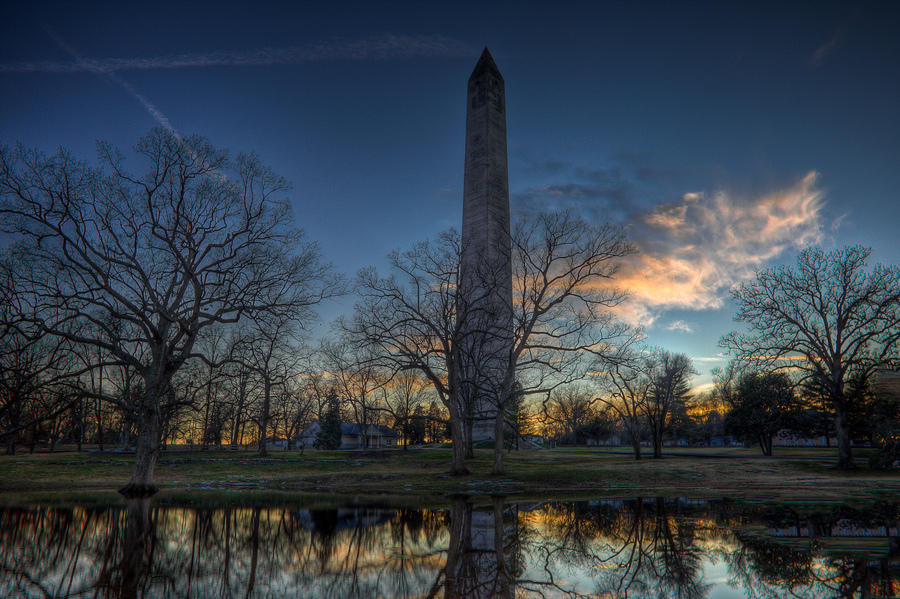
x,y
679,326
692,251
111,76
710,359
381,47
826,48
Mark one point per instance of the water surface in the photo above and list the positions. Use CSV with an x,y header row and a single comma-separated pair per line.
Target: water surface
x,y
484,547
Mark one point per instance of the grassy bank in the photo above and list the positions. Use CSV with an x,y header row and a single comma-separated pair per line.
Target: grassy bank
x,y
420,475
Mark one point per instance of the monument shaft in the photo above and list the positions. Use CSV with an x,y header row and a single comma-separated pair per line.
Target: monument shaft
x,y
485,293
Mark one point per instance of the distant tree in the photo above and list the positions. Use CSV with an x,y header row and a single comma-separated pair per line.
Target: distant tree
x,y
32,366
827,317
436,424
329,435
407,393
885,422
569,410
600,425
357,379
763,403
669,376
625,390
268,347
139,265
417,425
292,410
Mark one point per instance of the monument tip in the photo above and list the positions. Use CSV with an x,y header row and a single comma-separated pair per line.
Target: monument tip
x,y
485,63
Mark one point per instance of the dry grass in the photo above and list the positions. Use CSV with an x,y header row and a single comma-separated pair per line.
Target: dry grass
x,y
795,475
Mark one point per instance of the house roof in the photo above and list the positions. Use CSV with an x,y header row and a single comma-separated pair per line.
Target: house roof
x,y
351,428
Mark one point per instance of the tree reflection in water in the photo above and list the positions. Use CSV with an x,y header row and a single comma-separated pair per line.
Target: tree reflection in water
x,y
477,548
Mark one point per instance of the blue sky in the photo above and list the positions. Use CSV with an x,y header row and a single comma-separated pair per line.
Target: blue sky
x,y
725,138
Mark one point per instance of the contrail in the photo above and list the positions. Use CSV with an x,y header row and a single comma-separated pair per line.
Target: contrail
x,y
155,112
382,47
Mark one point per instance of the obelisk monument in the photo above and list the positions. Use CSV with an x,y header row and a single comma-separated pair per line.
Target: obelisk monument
x,y
485,286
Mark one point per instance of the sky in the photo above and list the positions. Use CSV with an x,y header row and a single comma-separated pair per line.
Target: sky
x,y
724,138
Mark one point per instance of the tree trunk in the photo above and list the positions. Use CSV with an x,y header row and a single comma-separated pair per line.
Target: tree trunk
x,y
99,412
842,429
636,446
504,583
134,567
499,425
470,451
254,553
657,445
204,440
458,464
146,452
264,420
457,547
765,443
80,437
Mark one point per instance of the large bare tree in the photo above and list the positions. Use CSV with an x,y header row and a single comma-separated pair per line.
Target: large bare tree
x,y
828,317
139,264
563,291
411,319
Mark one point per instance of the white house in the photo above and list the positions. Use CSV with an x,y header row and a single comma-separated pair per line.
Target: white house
x,y
352,436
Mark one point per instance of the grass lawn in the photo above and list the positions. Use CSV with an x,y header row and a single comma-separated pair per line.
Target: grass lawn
x,y
420,475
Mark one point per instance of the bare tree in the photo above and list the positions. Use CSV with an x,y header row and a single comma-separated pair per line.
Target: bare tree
x,y
669,377
568,409
411,320
828,317
563,270
269,349
293,410
197,240
402,395
32,367
209,377
626,388
240,386
358,380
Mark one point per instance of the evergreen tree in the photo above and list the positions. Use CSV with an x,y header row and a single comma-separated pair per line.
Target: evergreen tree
x,y
329,435
763,404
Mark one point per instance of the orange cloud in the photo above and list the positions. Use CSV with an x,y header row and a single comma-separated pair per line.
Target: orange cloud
x,y
692,251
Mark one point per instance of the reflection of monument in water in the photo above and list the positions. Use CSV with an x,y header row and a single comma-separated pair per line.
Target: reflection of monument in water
x,y
481,555
485,281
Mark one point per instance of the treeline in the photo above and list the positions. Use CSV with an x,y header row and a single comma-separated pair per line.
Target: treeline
x,y
176,304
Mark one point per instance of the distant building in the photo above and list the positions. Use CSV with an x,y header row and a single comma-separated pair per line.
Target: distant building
x,y
352,436
786,438
533,439
276,443
609,441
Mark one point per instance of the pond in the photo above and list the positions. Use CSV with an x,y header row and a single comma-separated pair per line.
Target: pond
x,y
472,547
